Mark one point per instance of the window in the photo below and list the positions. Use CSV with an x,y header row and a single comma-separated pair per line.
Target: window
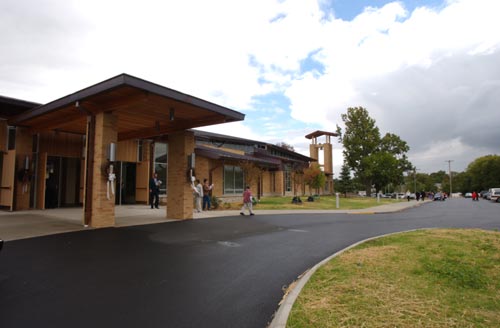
x,y
161,164
139,150
233,180
11,138
288,178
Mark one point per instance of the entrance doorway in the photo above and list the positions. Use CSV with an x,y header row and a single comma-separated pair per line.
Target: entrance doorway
x,y
125,182
62,185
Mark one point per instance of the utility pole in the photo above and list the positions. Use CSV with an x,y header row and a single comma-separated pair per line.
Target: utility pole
x,y
449,170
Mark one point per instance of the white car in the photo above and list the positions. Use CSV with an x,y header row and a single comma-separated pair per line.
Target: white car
x,y
494,194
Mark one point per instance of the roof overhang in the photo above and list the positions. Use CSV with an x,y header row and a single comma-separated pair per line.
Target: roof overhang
x,y
320,133
10,107
219,154
143,109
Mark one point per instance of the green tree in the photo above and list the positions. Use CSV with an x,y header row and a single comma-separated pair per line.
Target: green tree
x,y
484,173
345,184
374,160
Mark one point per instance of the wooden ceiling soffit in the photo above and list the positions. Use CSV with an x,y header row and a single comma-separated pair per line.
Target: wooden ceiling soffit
x,y
57,122
136,99
159,128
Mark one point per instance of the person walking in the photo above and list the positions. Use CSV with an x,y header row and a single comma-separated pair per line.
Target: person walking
x,y
198,194
247,201
206,194
408,195
154,191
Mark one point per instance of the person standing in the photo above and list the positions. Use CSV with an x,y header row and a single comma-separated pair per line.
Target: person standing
x,y
247,201
408,195
154,191
198,194
206,194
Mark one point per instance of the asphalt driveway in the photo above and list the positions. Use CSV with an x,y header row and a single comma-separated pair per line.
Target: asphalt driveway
x,y
219,272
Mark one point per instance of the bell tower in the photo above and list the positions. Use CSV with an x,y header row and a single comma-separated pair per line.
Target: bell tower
x,y
326,147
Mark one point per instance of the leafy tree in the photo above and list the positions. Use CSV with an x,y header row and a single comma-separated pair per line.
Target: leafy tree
x,y
283,144
383,169
344,183
314,177
484,173
374,160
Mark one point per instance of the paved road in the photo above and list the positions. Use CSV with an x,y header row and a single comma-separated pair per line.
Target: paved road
x,y
221,272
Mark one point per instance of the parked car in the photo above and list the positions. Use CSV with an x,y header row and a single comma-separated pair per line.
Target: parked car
x,y
439,196
1,244
483,193
494,194
468,195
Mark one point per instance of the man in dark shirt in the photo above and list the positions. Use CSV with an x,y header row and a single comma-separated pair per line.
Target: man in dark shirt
x,y
154,191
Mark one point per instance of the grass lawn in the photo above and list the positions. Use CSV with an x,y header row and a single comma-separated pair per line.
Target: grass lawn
x,y
322,203
426,278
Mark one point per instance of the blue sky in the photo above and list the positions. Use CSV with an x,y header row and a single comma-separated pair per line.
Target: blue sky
x,y
349,9
292,66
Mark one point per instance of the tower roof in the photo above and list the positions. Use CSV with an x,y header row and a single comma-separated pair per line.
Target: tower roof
x,y
319,133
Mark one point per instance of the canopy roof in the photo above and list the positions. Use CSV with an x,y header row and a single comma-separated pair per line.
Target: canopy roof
x,y
143,109
320,133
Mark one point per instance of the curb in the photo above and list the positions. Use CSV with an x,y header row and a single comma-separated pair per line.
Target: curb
x,y
280,317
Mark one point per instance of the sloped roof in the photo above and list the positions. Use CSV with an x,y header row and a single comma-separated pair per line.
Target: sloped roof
x,y
10,107
220,154
144,109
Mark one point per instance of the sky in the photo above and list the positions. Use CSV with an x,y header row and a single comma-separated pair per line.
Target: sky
x,y
428,71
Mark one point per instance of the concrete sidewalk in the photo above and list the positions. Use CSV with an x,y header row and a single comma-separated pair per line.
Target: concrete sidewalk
x,y
33,223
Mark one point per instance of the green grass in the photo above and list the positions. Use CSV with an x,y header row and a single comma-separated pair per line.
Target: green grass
x,y
322,203
427,278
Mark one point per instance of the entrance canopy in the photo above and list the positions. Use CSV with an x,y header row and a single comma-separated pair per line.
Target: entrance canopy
x,y
143,110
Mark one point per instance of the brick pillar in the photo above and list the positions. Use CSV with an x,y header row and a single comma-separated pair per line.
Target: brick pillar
x,y
327,158
180,194
313,151
102,208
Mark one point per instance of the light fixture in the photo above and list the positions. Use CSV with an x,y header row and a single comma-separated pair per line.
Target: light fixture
x,y
172,114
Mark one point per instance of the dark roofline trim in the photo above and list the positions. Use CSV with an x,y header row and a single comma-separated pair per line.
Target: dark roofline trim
x,y
204,135
128,80
18,102
219,154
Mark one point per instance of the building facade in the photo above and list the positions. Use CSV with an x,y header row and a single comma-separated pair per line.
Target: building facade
x,y
98,147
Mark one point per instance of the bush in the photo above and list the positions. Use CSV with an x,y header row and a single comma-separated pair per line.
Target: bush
x,y
215,202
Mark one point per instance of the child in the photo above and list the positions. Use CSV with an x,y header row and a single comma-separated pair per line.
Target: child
x,y
247,201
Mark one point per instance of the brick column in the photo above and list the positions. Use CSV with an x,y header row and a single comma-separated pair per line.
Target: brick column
x,y
180,194
102,209
313,151
327,158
